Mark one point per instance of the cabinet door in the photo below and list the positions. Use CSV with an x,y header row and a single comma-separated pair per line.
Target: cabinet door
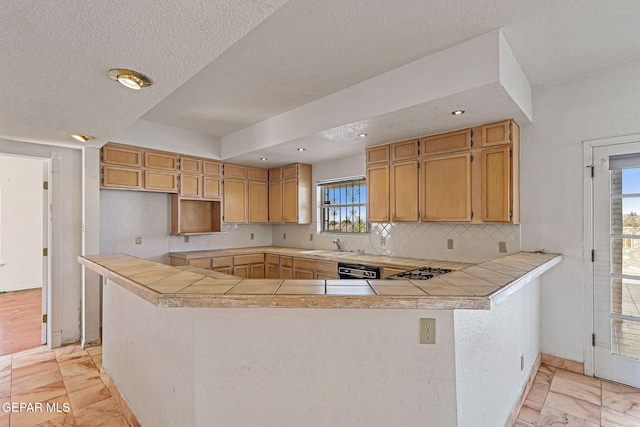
x,y
225,270
303,274
290,171
378,154
290,200
190,185
496,197
272,271
160,161
234,171
242,271
404,191
323,275
405,150
378,193
211,187
257,271
257,174
258,201
160,181
446,188
496,134
123,156
450,142
190,165
201,262
275,202
211,167
235,200
286,272
115,177
275,174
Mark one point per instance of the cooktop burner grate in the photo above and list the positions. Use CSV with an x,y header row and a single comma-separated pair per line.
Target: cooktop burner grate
x,y
423,273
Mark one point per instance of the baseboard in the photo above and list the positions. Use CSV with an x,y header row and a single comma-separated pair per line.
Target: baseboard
x,y
93,343
126,412
525,392
559,362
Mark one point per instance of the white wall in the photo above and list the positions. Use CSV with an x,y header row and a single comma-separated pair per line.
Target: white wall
x,y
21,223
601,105
488,376
66,229
278,367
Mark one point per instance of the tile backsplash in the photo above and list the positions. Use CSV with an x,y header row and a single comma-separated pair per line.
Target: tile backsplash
x,y
471,242
233,236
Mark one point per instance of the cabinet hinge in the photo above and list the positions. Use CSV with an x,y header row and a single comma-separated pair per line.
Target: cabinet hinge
x,y
471,133
45,185
418,165
510,136
44,318
472,143
593,255
471,214
510,153
510,126
471,158
592,170
593,340
45,252
510,214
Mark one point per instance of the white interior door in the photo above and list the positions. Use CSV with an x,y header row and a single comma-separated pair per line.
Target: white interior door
x,y
46,218
616,266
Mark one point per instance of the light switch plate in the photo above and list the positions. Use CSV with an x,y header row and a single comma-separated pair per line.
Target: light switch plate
x,y
427,331
138,240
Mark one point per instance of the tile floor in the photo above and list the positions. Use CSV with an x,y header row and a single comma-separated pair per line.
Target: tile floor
x,y
562,398
65,381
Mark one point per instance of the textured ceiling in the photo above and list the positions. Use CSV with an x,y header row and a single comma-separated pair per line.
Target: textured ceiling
x,y
220,66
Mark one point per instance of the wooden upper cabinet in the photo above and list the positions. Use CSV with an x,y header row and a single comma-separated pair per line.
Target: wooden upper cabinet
x,y
235,200
275,202
166,182
275,174
499,133
404,195
211,167
449,142
190,165
290,200
190,185
257,174
496,185
123,178
234,171
211,187
123,155
446,188
405,150
258,201
290,171
378,193
160,161
378,154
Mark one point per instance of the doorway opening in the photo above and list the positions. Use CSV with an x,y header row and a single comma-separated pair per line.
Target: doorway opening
x,y
23,253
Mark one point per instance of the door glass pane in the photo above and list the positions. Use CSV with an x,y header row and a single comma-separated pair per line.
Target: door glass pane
x,y
625,260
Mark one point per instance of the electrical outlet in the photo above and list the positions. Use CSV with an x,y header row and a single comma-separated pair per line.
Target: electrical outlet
x,y
383,240
502,247
186,239
311,237
251,236
284,236
449,243
138,240
427,331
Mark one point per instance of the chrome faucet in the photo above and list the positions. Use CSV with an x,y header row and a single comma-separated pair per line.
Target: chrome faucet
x,y
338,244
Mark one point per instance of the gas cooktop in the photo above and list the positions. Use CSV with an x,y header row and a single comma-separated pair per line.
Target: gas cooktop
x,y
423,273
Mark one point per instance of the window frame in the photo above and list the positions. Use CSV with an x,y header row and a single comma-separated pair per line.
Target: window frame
x,y
343,206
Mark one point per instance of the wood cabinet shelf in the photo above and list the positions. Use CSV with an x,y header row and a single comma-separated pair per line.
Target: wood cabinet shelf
x,y
190,217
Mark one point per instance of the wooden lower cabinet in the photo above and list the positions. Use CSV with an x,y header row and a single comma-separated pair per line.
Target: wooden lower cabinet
x,y
286,272
310,269
250,266
201,262
272,271
299,273
242,271
446,188
323,275
225,270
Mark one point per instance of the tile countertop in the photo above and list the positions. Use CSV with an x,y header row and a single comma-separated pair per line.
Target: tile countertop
x,y
475,287
325,255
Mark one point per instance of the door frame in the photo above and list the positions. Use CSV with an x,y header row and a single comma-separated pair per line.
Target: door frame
x,y
588,242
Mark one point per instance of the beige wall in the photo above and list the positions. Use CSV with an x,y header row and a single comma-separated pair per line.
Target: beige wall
x,y
20,223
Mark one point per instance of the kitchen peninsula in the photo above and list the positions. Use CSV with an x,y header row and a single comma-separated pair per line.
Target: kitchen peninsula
x,y
225,344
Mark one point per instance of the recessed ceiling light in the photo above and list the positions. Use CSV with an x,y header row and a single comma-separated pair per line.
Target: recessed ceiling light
x,y
80,137
457,112
263,159
301,149
130,79
362,135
